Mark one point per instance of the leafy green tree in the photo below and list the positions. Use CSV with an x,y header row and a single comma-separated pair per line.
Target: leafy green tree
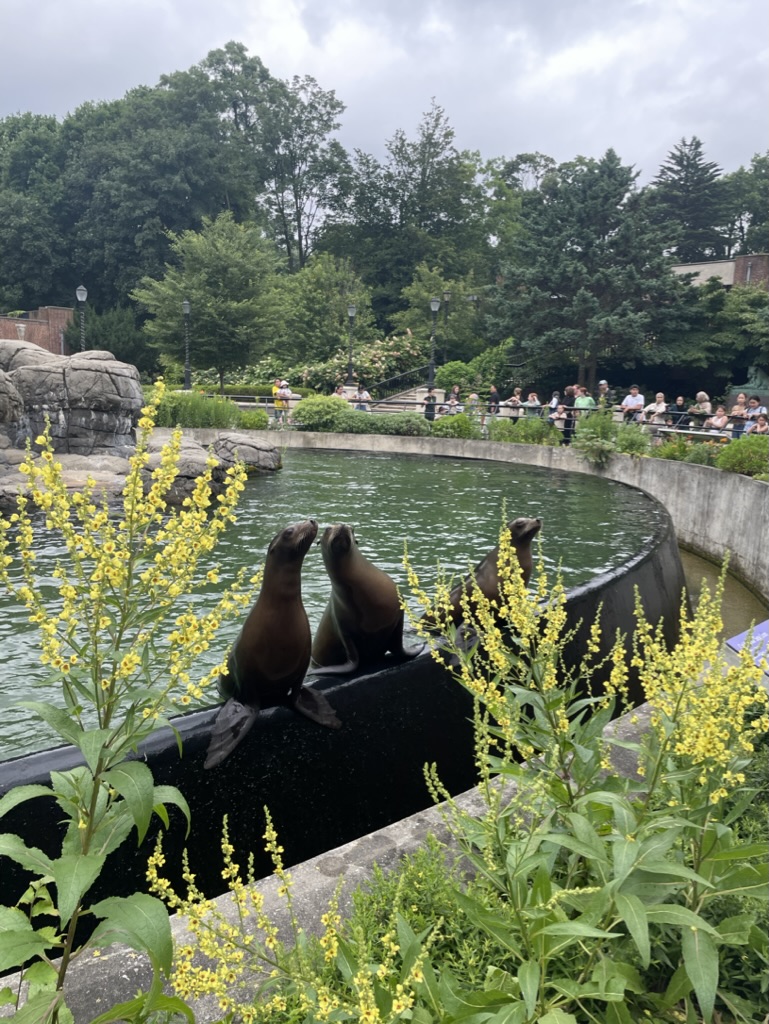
x,y
587,281
689,199
227,271
747,191
458,322
283,130
314,310
30,252
425,204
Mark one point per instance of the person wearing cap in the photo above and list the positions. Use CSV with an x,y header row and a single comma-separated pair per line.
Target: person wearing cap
x,y
633,404
281,401
604,396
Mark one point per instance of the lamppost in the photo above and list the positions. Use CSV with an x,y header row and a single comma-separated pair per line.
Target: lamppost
x,y
82,294
446,300
351,311
435,305
187,373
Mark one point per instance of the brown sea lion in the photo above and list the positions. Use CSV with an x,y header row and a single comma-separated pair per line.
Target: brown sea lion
x,y
363,619
269,659
522,533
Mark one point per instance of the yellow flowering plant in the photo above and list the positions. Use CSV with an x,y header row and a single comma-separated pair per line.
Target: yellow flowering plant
x,y
121,639
603,893
593,897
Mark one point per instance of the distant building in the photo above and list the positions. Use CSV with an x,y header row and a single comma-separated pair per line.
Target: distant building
x,y
753,269
44,327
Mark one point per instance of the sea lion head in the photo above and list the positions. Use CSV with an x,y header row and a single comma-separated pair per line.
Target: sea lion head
x,y
337,541
523,531
293,542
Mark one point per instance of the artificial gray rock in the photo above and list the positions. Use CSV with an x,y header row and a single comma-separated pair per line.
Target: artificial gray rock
x,y
91,399
258,454
11,411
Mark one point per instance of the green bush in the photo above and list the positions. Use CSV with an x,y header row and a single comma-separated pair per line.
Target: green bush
x,y
459,425
674,448
192,409
595,437
253,419
321,412
748,455
525,430
633,439
354,421
403,424
704,453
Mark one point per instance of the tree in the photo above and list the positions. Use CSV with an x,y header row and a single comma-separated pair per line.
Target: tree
x,y
116,331
284,131
313,310
747,202
689,200
30,252
425,204
227,271
589,281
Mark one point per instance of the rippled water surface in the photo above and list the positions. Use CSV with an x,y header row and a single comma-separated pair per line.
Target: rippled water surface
x,y
449,511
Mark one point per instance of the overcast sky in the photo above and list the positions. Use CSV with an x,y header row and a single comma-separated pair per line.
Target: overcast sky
x,y
564,77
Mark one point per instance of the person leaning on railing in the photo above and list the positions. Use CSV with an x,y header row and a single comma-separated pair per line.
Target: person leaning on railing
x,y
759,426
718,421
656,412
738,414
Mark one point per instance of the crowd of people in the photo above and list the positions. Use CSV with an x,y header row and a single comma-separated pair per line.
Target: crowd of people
x,y
747,414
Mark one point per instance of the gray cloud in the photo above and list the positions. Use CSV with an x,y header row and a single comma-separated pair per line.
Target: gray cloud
x,y
563,78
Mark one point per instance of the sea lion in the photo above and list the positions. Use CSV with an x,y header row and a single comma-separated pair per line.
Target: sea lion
x,y
363,618
268,661
522,533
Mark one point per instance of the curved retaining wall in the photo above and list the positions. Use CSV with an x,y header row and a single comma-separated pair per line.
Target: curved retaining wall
x,y
712,511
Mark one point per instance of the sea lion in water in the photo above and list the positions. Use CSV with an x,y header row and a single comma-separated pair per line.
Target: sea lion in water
x,y
522,533
363,618
269,659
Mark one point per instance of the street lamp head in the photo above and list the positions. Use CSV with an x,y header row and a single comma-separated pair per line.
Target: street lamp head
x,y
186,307
446,296
352,310
81,292
472,298
435,305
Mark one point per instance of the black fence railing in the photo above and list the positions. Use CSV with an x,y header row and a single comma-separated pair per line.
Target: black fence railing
x,y
397,385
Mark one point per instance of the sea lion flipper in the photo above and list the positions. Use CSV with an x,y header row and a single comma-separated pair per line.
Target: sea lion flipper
x,y
313,705
397,646
334,670
231,725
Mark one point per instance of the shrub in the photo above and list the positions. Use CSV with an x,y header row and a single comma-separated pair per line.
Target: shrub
x,y
192,409
459,425
321,412
524,430
674,448
253,419
595,437
633,439
704,453
353,421
402,424
748,455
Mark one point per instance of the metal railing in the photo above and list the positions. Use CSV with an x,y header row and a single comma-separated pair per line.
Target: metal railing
x,y
397,385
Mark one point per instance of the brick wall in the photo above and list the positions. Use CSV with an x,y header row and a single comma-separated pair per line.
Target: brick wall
x,y
752,270
44,327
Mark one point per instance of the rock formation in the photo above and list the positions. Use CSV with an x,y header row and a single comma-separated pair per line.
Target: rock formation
x,y
91,399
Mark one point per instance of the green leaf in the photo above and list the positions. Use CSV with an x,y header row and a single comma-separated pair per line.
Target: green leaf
x,y
633,913
735,931
74,874
739,852
18,945
672,913
59,720
664,867
29,857
575,928
133,781
512,1013
701,962
747,878
41,1007
171,795
528,979
91,744
586,833
625,853
145,1004
19,794
557,1017
495,926
141,922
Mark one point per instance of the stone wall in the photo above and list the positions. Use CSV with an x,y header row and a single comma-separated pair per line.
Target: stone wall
x,y
43,327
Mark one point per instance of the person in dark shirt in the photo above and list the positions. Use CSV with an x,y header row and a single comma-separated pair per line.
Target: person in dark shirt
x,y
429,404
494,400
678,415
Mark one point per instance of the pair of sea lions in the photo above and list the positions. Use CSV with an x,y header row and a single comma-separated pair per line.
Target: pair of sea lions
x,y
269,660
363,620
